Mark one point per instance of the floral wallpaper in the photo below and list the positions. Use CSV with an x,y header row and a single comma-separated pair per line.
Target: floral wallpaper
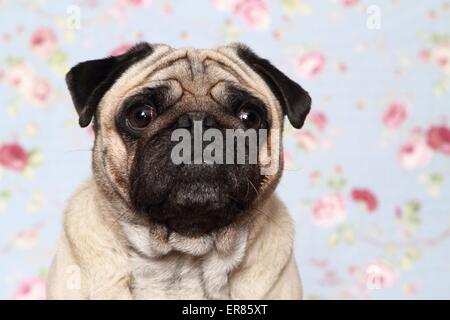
x,y
366,180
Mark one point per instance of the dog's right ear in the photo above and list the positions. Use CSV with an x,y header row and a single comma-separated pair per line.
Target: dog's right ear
x,y
89,81
295,101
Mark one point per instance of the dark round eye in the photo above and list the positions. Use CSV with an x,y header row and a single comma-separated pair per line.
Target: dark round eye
x,y
140,116
250,117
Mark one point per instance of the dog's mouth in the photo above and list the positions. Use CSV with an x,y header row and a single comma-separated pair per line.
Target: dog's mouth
x,y
197,200
198,195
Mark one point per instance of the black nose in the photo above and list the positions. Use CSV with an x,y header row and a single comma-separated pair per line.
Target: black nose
x,y
187,120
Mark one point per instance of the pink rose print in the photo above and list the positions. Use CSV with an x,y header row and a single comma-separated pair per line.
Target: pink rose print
x,y
91,132
424,55
288,159
31,289
137,3
438,138
380,275
28,238
120,9
366,197
310,64
318,119
349,3
410,288
415,154
254,13
440,57
41,91
13,156
43,42
329,210
394,115
224,5
167,9
20,76
307,141
120,49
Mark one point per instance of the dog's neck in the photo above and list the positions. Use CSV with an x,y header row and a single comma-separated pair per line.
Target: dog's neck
x,y
177,266
171,266
167,265
154,241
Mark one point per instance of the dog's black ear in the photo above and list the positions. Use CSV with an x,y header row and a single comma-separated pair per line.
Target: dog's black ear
x,y
294,100
88,81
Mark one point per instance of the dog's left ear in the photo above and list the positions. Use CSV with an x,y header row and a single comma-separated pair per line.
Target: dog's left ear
x,y
294,100
88,81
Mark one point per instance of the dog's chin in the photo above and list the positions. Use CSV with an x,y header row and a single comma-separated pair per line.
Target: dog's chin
x,y
195,209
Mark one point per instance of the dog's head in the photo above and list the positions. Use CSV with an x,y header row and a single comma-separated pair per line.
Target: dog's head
x,y
147,100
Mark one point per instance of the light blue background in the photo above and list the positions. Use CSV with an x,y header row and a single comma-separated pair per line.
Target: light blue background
x,y
359,150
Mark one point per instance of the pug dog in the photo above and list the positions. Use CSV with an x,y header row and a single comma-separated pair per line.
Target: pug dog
x,y
145,227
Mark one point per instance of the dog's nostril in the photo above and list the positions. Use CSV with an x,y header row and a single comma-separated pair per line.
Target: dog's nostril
x,y
187,120
209,122
184,122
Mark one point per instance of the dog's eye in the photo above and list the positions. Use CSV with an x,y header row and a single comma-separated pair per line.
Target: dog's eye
x,y
140,116
250,117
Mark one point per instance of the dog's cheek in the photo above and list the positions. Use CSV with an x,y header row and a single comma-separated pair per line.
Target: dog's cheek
x,y
152,174
243,182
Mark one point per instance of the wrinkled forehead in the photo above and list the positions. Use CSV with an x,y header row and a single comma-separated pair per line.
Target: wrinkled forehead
x,y
196,72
